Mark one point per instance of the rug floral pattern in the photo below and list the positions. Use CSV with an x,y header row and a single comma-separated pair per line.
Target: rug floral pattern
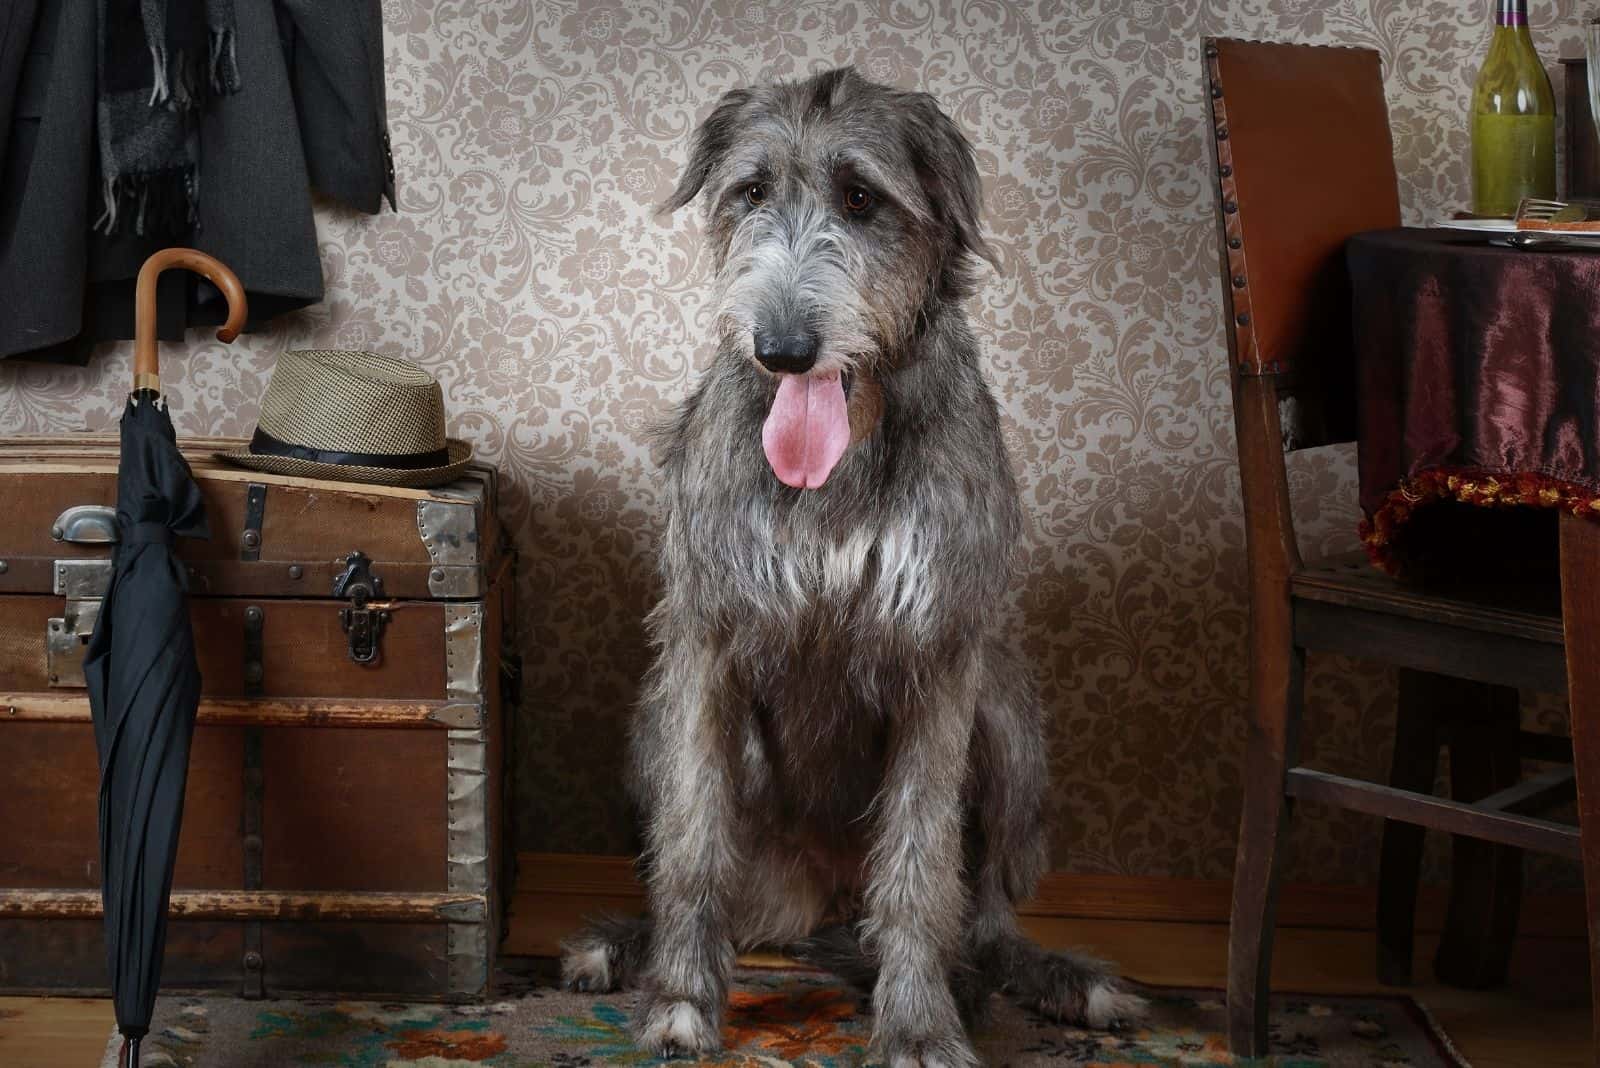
x,y
775,1020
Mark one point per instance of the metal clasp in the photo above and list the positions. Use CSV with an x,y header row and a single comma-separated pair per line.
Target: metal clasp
x,y
362,622
66,641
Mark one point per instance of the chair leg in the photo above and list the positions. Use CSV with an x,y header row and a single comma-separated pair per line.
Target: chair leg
x,y
1414,767
1485,879
1274,729
1580,609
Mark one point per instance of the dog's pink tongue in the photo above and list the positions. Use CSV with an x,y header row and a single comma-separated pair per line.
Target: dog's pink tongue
x,y
807,430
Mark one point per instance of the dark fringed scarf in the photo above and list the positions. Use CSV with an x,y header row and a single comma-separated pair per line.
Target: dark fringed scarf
x,y
160,61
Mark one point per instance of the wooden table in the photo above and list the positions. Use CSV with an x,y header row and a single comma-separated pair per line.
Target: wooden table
x,y
1479,380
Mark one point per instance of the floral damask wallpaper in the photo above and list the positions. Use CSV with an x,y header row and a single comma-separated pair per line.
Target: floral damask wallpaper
x,y
527,267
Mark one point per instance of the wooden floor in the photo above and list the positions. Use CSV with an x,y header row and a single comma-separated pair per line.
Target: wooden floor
x,y
1540,1018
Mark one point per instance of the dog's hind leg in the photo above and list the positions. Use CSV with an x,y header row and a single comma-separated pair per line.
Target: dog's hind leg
x,y
607,954
1068,986
1008,853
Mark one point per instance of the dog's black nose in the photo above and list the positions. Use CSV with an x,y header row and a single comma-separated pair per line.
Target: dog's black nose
x,y
792,353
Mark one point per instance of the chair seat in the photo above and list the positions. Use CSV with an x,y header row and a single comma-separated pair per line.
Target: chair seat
x,y
1514,608
1487,629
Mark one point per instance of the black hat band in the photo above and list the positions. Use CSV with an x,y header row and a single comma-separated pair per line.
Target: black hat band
x,y
264,444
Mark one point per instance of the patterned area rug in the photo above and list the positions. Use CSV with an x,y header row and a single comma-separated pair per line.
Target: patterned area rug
x,y
777,1020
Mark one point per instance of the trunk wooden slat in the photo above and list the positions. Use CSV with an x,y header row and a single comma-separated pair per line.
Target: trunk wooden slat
x,y
343,823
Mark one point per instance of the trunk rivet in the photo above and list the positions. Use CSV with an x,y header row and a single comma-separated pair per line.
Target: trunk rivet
x,y
4,567
252,539
436,575
252,842
252,614
252,672
295,571
252,961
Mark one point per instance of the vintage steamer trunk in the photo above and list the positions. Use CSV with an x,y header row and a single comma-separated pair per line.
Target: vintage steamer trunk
x,y
342,831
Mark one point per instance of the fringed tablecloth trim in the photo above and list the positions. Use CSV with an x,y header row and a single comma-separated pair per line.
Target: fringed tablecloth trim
x,y
1381,530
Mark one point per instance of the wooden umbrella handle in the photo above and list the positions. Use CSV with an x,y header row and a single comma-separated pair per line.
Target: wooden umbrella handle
x,y
146,363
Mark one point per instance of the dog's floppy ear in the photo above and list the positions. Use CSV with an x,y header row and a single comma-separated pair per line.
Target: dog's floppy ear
x,y
948,167
711,141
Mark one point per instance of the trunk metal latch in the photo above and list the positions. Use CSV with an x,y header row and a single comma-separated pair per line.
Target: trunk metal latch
x,y
82,581
66,641
362,621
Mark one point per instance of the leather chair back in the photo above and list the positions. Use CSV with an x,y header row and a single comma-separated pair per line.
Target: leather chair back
x,y
1303,160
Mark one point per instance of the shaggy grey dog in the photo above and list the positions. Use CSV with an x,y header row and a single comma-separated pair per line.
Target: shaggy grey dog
x,y
834,753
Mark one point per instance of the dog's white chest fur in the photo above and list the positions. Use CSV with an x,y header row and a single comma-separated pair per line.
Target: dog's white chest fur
x,y
885,570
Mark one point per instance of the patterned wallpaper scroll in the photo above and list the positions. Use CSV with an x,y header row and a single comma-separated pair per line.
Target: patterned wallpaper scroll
x,y
528,269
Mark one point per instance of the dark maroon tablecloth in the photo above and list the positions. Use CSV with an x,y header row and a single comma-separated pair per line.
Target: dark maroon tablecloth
x,y
1478,377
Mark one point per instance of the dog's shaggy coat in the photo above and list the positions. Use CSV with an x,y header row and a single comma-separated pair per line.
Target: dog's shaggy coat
x,y
834,752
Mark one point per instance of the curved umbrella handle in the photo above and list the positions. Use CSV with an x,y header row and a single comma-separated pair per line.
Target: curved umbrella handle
x,y
146,364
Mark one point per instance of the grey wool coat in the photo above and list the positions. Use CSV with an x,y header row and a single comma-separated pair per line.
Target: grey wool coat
x,y
309,115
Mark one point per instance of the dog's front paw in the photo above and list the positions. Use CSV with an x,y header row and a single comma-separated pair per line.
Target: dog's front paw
x,y
670,1028
953,1051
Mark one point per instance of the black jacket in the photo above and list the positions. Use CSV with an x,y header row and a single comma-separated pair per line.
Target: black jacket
x,y
310,112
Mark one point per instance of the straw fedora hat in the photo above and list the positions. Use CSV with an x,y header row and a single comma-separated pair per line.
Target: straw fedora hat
x,y
353,417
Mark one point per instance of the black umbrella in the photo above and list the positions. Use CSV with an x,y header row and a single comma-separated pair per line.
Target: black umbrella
x,y
140,667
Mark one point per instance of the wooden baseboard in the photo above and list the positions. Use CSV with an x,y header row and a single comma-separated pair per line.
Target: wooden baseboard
x,y
1066,895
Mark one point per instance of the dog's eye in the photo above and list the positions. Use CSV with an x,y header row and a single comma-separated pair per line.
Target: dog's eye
x,y
857,199
756,194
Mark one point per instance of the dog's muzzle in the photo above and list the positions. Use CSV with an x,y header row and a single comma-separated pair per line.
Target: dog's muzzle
x,y
786,352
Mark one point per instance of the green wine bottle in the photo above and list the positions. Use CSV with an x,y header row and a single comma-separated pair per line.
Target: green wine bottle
x,y
1513,119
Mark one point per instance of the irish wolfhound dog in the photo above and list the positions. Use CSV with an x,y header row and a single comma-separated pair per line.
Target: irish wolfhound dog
x,y
834,752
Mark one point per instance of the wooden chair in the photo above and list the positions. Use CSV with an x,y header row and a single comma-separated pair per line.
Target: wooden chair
x,y
1303,161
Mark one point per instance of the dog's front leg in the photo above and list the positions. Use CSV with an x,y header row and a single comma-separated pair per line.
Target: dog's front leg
x,y
915,897
684,754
